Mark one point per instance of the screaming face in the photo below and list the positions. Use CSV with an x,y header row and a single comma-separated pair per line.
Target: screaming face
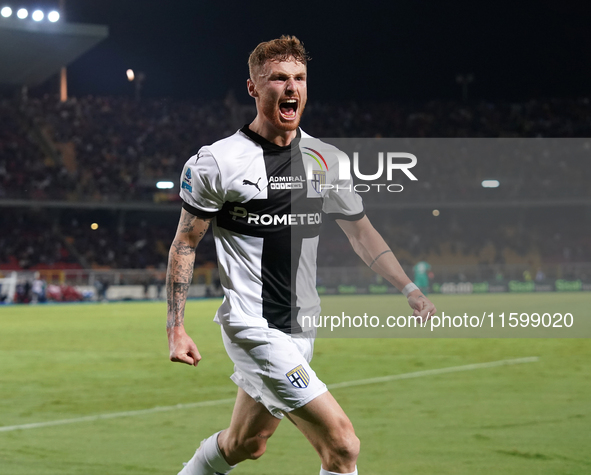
x,y
280,92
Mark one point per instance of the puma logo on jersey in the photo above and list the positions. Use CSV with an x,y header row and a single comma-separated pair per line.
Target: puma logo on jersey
x,y
248,182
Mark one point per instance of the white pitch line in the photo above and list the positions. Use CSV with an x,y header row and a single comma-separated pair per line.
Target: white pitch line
x,y
431,372
346,384
115,415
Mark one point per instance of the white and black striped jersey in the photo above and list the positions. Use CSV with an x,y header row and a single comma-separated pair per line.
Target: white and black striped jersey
x,y
267,215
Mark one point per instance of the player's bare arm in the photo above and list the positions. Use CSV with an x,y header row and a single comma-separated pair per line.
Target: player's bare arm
x,y
374,251
181,259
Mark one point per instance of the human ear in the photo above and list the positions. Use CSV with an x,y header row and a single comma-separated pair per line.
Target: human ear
x,y
252,90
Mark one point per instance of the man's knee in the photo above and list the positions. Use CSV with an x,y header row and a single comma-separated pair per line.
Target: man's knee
x,y
255,447
341,446
248,447
344,449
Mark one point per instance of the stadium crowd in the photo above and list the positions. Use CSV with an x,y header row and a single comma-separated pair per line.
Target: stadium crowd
x,y
29,241
120,147
480,237
25,172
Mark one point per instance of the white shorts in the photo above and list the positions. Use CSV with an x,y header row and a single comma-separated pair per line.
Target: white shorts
x,y
273,367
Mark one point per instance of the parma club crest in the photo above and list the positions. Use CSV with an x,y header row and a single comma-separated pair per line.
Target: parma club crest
x,y
298,377
318,179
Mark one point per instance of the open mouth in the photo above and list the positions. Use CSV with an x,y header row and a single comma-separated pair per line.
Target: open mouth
x,y
288,109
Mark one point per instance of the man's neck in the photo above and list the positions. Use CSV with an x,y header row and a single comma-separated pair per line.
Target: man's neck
x,y
272,134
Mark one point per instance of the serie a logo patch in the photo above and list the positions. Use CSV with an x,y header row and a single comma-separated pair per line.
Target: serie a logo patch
x,y
298,377
187,185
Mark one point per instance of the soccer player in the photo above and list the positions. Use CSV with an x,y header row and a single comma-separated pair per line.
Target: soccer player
x,y
266,215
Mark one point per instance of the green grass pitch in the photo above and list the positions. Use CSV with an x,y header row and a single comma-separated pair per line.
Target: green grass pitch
x,y
68,361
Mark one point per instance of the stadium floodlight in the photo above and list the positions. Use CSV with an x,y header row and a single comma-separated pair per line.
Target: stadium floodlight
x,y
53,16
490,183
6,12
37,15
130,75
22,13
165,185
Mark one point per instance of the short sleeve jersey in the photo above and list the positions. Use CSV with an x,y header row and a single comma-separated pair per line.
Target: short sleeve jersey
x,y
267,203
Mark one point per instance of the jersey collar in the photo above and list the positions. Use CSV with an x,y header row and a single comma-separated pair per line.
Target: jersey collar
x,y
263,142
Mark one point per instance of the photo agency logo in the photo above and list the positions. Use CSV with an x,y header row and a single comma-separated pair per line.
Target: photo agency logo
x,y
329,167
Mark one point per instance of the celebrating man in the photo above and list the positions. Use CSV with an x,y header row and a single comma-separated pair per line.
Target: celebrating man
x,y
266,213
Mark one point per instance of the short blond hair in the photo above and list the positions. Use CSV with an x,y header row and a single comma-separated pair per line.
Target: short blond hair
x,y
280,49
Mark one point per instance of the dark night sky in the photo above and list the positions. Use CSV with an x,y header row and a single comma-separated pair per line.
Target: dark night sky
x,y
399,50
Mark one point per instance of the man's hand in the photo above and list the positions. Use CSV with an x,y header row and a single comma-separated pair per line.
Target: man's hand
x,y
421,305
182,348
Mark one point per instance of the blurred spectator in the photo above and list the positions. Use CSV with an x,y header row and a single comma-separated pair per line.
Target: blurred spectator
x,y
38,289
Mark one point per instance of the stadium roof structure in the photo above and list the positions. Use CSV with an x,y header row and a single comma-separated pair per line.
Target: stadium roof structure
x,y
31,52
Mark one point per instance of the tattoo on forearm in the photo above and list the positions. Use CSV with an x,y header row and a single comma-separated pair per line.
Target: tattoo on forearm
x,y
178,280
378,256
182,249
177,296
181,259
